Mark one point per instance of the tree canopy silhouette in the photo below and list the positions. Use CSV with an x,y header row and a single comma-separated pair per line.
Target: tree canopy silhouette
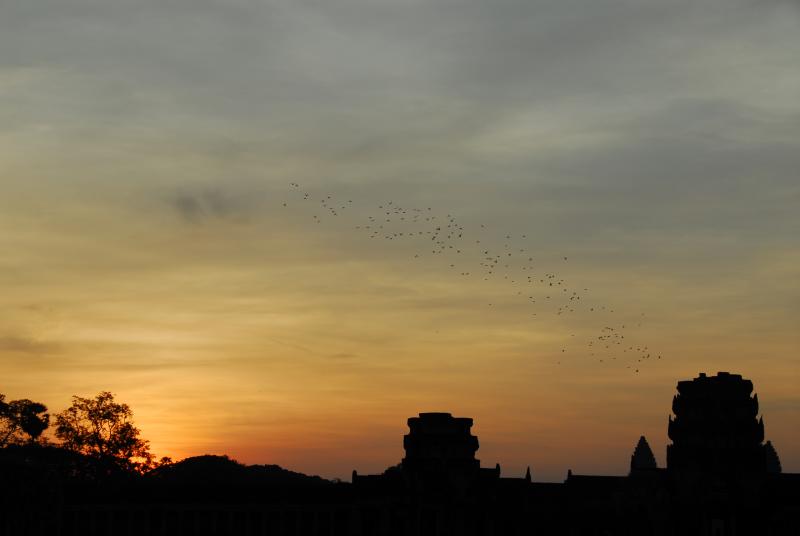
x,y
103,429
22,421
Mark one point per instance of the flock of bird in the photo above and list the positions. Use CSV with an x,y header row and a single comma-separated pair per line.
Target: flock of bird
x,y
473,254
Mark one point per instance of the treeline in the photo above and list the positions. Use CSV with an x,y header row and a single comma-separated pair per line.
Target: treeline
x,y
97,429
95,441
92,453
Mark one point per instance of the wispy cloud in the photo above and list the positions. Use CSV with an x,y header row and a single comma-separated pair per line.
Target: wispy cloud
x,y
10,344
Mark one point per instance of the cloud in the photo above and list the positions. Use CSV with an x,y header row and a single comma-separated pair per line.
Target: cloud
x,y
24,345
210,204
343,355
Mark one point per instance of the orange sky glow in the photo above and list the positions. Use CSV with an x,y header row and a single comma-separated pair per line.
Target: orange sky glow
x,y
154,243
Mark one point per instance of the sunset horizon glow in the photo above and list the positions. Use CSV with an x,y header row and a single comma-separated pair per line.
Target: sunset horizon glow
x,y
190,193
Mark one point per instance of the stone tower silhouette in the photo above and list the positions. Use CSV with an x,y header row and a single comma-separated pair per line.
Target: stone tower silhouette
x,y
773,462
642,458
716,428
440,448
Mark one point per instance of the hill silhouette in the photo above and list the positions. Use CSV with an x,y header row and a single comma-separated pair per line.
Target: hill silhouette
x,y
214,470
220,479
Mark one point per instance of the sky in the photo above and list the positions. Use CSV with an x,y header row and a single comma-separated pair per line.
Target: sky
x,y
166,232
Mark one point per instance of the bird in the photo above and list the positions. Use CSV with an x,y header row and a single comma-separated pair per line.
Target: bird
x,y
393,221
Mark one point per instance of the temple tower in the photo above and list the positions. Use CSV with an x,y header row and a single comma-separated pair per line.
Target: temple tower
x,y
716,428
440,447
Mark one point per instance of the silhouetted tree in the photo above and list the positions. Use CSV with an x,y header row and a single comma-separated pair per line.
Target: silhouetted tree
x,y
103,429
22,421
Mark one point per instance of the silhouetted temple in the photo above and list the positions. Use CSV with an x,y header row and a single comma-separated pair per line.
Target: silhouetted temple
x,y
716,427
721,479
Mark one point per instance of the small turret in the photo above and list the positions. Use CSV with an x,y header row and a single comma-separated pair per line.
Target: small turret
x,y
771,459
642,458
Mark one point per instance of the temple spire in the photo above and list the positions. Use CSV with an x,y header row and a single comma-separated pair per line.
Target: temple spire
x,y
771,459
642,458
528,474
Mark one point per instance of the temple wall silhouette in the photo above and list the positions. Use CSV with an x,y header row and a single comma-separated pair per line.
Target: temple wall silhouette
x,y
721,479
